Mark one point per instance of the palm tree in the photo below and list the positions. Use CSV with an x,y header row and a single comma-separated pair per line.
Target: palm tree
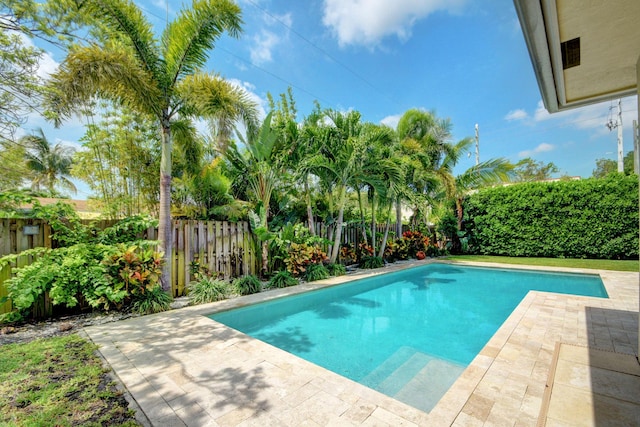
x,y
160,78
262,169
424,144
49,164
342,149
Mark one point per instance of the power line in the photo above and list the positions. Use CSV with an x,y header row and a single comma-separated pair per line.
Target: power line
x,y
273,75
278,77
324,52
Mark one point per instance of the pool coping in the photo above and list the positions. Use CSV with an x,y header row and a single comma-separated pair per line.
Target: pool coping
x,y
163,370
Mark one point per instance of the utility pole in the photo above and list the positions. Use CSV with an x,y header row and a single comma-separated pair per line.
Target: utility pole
x,y
618,125
477,145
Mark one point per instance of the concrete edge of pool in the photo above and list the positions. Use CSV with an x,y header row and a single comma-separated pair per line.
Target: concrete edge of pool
x,y
185,369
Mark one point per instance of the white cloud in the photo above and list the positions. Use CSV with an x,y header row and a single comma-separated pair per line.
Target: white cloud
x,y
518,114
542,148
391,121
264,44
47,65
267,40
367,22
250,90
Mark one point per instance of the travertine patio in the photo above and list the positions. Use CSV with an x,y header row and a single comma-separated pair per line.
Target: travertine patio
x,y
183,368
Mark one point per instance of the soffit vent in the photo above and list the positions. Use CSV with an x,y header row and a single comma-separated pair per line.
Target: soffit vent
x,y
570,53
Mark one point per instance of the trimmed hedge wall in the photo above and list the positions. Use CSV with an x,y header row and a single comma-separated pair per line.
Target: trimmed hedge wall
x,y
590,218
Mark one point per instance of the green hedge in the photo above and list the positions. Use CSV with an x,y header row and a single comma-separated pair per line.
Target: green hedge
x,y
590,218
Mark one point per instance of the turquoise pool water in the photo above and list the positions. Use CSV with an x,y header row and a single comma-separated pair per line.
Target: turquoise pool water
x,y
408,334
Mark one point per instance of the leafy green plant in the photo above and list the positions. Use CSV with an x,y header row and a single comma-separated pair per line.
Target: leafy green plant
x,y
247,285
152,301
282,279
316,272
129,229
207,289
371,262
67,274
336,269
134,268
588,218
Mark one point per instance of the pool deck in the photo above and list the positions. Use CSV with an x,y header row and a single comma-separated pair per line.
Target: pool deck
x,y
184,369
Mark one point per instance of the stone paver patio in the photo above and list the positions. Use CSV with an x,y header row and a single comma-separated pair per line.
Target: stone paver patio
x,y
183,368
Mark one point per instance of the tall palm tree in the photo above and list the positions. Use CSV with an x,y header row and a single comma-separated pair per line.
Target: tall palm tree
x,y
262,169
424,144
342,149
49,164
158,77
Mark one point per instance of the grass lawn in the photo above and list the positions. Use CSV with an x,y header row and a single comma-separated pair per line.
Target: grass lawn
x,y
58,382
598,264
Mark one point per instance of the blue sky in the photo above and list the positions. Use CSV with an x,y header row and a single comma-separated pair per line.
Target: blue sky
x,y
464,59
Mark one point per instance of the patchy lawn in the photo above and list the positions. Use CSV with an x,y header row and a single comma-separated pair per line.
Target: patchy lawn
x,y
58,381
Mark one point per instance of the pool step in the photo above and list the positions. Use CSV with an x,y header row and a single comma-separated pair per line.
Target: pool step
x,y
428,386
413,377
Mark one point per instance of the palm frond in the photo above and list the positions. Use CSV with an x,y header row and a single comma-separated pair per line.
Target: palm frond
x,y
215,98
186,140
113,74
128,22
194,32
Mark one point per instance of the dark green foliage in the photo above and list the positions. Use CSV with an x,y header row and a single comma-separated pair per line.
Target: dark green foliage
x,y
316,272
87,268
126,230
336,269
152,301
247,285
282,279
207,289
371,262
590,218
67,274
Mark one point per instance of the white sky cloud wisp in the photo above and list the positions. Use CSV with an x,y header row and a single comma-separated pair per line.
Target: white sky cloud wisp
x,y
367,22
542,148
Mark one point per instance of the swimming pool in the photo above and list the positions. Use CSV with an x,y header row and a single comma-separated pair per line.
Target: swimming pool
x,y
407,334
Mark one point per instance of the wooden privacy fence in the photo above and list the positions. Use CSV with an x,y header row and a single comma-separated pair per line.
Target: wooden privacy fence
x,y
223,247
226,248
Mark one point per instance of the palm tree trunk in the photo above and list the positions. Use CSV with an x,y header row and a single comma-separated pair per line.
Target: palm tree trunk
x,y
165,236
335,250
363,227
312,225
383,245
374,229
398,218
459,212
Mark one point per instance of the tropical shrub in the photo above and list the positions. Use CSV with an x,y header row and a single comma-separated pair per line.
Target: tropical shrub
x,y
282,279
86,267
336,269
301,256
316,272
67,274
371,262
134,269
207,289
247,285
152,301
589,218
348,254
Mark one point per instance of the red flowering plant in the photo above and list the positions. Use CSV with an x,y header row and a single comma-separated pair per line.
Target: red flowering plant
x,y
415,242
